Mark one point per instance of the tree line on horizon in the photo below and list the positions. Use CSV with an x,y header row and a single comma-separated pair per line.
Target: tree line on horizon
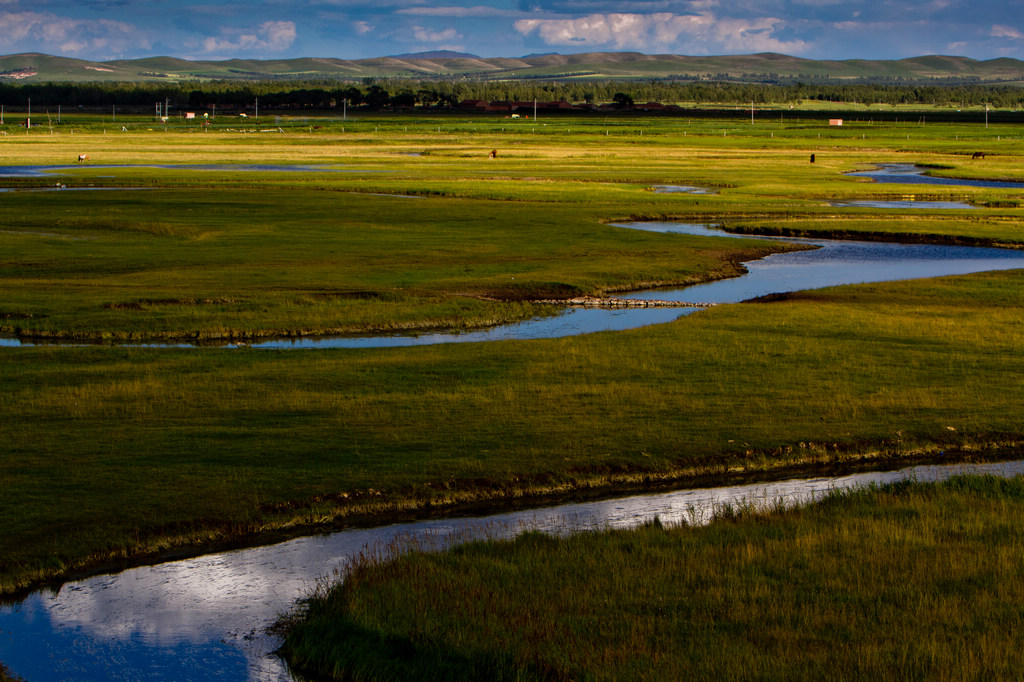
x,y
400,93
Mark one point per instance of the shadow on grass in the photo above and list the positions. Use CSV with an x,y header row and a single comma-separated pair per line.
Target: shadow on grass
x,y
341,650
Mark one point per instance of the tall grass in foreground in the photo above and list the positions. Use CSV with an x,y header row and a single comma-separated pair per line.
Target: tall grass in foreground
x,y
906,581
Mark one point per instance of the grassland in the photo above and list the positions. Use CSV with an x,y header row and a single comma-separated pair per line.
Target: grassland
x,y
619,65
910,581
120,453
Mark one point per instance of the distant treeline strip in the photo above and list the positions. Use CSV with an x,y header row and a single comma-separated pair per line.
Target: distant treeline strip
x,y
380,94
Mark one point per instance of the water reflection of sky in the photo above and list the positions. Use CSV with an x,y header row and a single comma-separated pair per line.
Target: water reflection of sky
x,y
906,173
900,204
203,618
682,189
832,263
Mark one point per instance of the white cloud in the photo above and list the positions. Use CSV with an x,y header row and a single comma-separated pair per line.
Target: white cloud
x,y
1001,31
73,46
271,36
52,33
16,26
425,35
362,27
461,12
663,31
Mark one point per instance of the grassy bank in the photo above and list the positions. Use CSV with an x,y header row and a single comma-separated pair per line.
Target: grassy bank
x,y
249,262
908,581
113,454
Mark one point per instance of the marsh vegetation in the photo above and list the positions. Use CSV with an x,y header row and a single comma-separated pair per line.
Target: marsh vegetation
x,y
119,454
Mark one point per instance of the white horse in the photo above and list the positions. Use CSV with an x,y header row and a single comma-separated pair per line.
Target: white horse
x,y
82,158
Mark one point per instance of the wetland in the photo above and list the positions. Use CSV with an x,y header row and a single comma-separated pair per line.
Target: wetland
x,y
826,263
120,454
216,613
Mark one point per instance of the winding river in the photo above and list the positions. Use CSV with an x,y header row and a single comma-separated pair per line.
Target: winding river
x,y
204,618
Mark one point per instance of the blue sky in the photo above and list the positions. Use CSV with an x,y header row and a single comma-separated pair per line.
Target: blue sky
x,y
353,29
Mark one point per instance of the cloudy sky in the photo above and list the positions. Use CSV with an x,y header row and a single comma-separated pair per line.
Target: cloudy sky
x,y
352,29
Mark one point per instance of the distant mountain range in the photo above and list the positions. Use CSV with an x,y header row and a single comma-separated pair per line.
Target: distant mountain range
x,y
34,67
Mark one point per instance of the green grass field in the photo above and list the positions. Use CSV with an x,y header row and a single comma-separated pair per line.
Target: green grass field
x,y
909,581
115,454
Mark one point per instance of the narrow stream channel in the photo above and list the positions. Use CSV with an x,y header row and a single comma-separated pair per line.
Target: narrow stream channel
x,y
911,174
205,618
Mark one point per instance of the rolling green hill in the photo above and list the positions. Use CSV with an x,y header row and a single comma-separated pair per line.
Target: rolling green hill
x,y
34,67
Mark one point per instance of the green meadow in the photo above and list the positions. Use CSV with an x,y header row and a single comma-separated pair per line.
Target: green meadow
x,y
910,581
116,453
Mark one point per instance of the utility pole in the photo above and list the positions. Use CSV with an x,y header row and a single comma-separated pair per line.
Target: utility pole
x,y
344,110
257,109
534,108
28,119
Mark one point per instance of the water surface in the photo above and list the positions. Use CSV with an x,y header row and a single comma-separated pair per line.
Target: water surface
x,y
907,173
832,263
899,204
205,618
682,189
